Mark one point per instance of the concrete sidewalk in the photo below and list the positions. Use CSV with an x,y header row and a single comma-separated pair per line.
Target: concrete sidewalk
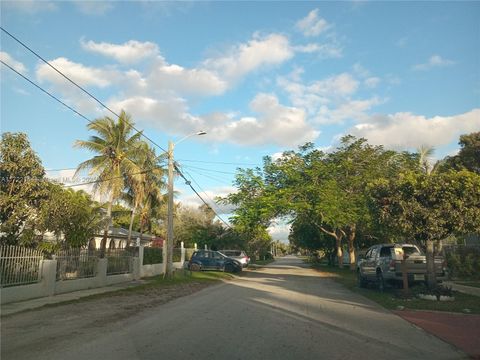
x,y
16,307
463,288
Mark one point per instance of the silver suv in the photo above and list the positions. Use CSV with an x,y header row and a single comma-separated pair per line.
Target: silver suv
x,y
383,263
238,255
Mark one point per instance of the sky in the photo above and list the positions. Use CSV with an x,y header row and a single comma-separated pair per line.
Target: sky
x,y
259,77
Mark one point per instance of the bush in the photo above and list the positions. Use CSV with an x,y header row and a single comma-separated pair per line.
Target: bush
x,y
152,256
464,262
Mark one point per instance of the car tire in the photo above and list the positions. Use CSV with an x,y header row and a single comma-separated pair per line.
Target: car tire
x,y
361,281
195,267
380,281
229,268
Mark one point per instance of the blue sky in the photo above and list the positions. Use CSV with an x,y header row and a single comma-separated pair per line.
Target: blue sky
x,y
259,77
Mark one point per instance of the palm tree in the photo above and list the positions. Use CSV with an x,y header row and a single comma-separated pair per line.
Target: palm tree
x,y
116,145
144,191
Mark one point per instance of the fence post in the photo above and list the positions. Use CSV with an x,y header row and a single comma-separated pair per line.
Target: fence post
x,y
182,256
138,263
101,274
206,248
49,276
195,246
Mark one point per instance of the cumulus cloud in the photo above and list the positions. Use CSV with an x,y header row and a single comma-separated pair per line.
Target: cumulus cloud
x,y
186,81
435,61
129,52
275,124
17,65
209,196
83,75
242,59
407,130
312,24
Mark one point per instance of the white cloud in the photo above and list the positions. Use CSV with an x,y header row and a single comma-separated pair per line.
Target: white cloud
x,y
83,75
279,232
312,24
17,65
435,61
193,201
324,51
129,52
342,84
30,6
186,81
93,7
242,59
406,130
372,82
275,124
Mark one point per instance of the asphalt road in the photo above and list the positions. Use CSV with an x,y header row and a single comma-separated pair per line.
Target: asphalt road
x,y
284,311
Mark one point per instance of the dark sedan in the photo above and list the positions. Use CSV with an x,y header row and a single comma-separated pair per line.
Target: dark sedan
x,y
213,260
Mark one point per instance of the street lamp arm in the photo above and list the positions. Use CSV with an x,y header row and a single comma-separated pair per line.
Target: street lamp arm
x,y
201,132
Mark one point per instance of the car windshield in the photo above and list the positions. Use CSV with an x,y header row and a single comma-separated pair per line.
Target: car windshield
x,y
411,250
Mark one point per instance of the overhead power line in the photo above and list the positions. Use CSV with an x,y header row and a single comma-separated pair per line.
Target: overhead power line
x,y
220,162
75,84
189,183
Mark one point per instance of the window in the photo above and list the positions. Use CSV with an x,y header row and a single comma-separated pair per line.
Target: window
x,y
374,252
386,251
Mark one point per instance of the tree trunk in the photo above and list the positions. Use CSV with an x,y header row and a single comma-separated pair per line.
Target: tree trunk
x,y
337,235
132,217
338,245
351,248
103,244
431,276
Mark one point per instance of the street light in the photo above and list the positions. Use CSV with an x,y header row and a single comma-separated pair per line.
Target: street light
x,y
168,249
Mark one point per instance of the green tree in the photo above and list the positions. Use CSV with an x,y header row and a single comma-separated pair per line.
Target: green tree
x,y
428,208
469,155
22,189
116,146
70,213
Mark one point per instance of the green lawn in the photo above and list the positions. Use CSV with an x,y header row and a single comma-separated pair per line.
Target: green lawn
x,y
391,298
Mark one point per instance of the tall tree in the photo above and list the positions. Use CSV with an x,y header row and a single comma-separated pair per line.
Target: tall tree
x,y
426,208
116,145
22,189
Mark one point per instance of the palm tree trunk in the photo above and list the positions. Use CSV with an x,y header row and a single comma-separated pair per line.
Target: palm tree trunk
x,y
131,225
103,244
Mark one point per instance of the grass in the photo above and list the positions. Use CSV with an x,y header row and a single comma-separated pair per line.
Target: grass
x,y
391,298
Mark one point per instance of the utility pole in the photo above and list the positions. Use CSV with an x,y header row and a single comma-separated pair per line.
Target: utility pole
x,y
168,247
167,252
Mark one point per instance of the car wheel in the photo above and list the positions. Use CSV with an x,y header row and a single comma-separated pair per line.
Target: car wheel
x,y
229,268
380,281
195,267
361,280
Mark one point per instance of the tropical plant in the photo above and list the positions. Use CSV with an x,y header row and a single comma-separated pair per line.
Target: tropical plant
x,y
22,189
116,145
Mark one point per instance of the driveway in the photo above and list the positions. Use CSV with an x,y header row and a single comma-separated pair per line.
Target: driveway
x,y
283,311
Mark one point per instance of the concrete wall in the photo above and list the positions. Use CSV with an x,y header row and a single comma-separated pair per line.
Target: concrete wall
x,y
49,286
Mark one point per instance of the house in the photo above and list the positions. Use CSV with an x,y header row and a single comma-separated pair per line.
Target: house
x,y
118,237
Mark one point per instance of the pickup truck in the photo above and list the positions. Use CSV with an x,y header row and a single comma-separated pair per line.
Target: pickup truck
x,y
383,264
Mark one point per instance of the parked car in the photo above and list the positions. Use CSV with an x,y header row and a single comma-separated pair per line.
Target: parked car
x,y
383,264
213,260
237,255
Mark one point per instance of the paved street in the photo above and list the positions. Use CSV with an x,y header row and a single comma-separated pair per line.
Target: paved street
x,y
284,311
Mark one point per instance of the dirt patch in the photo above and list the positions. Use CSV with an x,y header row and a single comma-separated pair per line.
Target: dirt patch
x,y
63,322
